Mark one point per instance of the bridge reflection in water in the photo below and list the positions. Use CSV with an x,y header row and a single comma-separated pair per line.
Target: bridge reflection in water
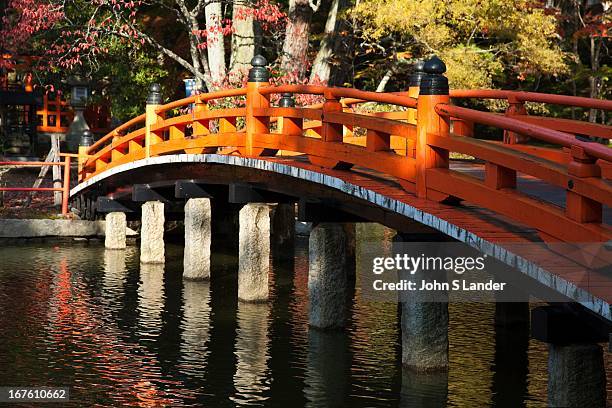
x,y
118,333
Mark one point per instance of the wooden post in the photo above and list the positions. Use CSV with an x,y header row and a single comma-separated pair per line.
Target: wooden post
x,y
257,125
66,188
433,91
377,141
331,133
84,144
578,207
83,153
516,107
154,100
289,126
347,130
462,127
57,172
499,177
413,89
200,127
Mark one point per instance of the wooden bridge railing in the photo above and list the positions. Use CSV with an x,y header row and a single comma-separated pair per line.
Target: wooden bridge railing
x,y
64,189
517,110
324,133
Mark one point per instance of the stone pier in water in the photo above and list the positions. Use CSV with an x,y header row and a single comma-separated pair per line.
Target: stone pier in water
x,y
254,252
196,260
152,249
327,277
115,231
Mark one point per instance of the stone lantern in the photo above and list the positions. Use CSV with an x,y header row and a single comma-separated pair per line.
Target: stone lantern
x,y
78,101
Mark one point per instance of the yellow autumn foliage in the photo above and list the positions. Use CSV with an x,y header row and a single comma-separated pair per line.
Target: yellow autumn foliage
x,y
479,40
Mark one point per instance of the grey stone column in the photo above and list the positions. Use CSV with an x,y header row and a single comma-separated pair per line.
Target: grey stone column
x,y
424,327
576,376
115,231
196,259
327,280
424,335
254,252
152,233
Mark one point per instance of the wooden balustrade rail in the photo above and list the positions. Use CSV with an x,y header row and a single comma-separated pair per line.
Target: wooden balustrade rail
x,y
324,132
65,189
521,96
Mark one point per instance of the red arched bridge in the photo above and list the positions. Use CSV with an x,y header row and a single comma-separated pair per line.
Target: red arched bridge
x,y
419,162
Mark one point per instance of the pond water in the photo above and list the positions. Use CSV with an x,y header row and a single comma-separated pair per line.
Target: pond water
x,y
121,334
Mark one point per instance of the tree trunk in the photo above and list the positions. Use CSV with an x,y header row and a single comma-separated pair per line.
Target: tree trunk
x,y
215,46
594,81
385,79
243,38
295,47
344,50
321,68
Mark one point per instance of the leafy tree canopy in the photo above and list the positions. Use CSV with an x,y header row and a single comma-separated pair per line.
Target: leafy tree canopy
x,y
482,41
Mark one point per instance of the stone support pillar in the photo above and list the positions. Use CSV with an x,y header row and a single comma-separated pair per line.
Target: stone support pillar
x,y
115,231
327,278
196,259
152,233
254,253
576,376
424,326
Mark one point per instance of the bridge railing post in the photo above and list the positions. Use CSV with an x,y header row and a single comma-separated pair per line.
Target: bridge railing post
x,y
289,126
462,127
515,107
154,100
414,87
66,186
256,124
578,207
433,91
347,130
200,127
331,132
84,143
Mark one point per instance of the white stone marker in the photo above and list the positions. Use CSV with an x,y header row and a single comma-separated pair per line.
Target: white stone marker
x,y
196,260
254,252
115,231
152,233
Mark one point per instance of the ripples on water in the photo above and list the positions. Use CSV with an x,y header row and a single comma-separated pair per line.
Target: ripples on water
x,y
122,334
